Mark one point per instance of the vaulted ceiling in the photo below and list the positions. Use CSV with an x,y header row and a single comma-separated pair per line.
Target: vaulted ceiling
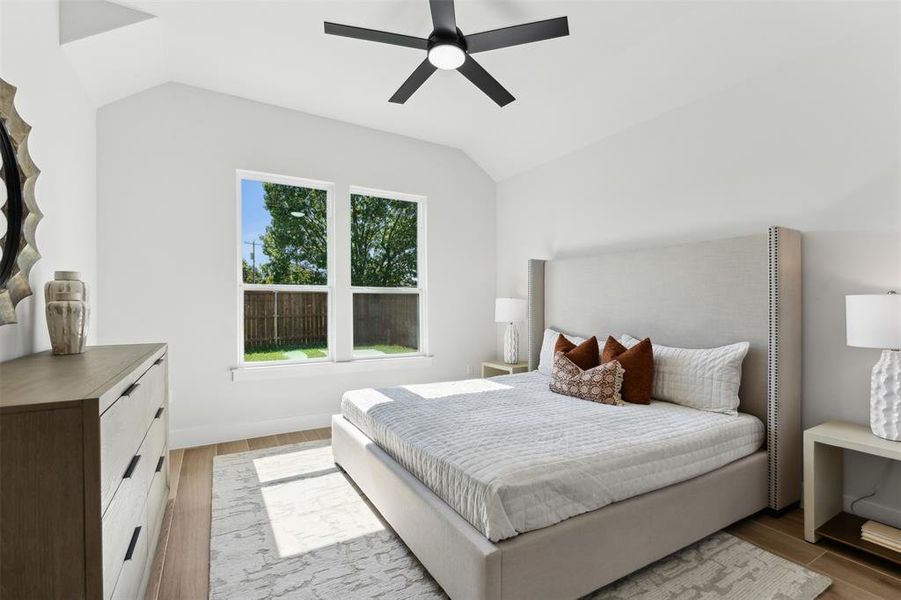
x,y
624,62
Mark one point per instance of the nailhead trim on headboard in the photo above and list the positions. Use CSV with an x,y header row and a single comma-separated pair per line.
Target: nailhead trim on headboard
x,y
530,298
772,425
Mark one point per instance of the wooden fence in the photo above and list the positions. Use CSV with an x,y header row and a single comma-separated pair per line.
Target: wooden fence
x,y
386,319
273,318
281,318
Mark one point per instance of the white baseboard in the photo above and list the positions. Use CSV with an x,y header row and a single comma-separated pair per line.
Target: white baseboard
x,y
216,434
872,508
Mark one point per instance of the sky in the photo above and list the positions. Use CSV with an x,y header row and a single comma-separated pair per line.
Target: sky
x,y
254,219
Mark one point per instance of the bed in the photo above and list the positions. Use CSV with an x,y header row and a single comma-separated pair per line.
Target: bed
x,y
492,516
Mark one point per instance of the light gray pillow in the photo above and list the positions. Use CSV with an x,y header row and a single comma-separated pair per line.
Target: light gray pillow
x,y
546,357
703,378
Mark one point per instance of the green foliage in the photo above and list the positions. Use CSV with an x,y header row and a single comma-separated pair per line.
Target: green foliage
x,y
383,242
289,350
251,275
295,240
263,355
280,351
387,348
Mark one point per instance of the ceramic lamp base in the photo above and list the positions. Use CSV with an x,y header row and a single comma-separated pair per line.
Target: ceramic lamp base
x,y
885,396
511,344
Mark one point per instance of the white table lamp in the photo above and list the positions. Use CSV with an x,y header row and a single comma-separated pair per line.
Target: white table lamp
x,y
874,321
510,311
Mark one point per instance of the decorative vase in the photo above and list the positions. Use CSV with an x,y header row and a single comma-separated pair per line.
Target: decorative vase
x,y
885,396
66,298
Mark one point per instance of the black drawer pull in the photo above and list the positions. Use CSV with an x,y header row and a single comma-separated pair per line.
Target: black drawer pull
x,y
159,464
132,466
159,413
158,361
134,542
130,389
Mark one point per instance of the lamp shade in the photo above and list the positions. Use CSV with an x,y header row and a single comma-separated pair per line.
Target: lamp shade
x,y
509,310
874,320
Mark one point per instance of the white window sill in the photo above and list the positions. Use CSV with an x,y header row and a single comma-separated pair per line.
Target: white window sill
x,y
319,368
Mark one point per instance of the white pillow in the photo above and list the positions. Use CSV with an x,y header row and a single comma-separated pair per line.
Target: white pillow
x,y
546,357
706,379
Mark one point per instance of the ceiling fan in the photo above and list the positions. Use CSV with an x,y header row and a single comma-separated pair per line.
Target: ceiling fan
x,y
449,49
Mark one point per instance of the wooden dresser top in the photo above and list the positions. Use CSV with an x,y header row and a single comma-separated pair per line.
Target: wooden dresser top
x,y
43,378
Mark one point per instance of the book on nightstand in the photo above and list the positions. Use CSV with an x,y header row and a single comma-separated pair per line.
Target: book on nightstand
x,y
881,534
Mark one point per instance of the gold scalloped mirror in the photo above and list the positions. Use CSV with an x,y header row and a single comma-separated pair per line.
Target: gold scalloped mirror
x,y
20,214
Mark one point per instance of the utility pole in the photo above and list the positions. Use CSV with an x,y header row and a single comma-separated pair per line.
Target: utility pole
x,y
253,260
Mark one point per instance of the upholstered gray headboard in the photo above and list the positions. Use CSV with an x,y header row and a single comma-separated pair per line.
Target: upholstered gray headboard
x,y
697,295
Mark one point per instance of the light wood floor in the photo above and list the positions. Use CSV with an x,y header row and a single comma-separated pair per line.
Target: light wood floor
x,y
182,562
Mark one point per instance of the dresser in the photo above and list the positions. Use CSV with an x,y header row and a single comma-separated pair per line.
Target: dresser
x,y
83,471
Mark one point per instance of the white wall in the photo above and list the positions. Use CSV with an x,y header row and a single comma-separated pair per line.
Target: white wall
x,y
62,144
811,145
167,245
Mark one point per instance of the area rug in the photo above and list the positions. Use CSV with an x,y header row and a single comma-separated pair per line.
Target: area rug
x,y
287,523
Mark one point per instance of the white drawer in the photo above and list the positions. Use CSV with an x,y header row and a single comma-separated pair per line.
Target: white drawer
x,y
156,502
126,510
123,425
131,576
156,383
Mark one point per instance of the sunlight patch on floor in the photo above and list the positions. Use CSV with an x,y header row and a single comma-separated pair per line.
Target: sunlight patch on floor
x,y
316,512
294,464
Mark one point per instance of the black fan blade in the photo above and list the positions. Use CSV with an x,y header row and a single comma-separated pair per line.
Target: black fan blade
x,y
443,18
373,35
474,72
517,34
413,82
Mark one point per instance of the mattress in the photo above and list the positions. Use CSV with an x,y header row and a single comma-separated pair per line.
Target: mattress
x,y
510,456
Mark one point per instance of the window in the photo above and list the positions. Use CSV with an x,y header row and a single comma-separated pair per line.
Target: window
x,y
285,270
296,267
384,251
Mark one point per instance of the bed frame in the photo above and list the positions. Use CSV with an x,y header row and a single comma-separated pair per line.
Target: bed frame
x,y
694,295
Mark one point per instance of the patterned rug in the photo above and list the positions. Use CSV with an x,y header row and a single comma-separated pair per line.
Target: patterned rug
x,y
287,523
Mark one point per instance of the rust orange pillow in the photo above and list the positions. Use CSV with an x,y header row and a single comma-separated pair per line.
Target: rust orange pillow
x,y
638,361
585,356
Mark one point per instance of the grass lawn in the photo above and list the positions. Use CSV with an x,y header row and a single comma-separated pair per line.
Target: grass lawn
x,y
387,348
307,351
284,352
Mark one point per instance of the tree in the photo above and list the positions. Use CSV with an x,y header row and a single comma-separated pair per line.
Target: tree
x,y
383,239
251,275
383,242
295,239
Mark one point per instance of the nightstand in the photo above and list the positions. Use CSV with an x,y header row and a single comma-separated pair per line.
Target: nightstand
x,y
492,368
823,515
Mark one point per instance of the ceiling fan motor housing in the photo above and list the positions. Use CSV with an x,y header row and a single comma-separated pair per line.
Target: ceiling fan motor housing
x,y
440,38
446,51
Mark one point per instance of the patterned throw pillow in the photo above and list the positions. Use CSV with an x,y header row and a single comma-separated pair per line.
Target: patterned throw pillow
x,y
601,384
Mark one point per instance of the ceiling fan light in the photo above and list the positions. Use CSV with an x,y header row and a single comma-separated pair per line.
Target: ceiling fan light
x,y
446,56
